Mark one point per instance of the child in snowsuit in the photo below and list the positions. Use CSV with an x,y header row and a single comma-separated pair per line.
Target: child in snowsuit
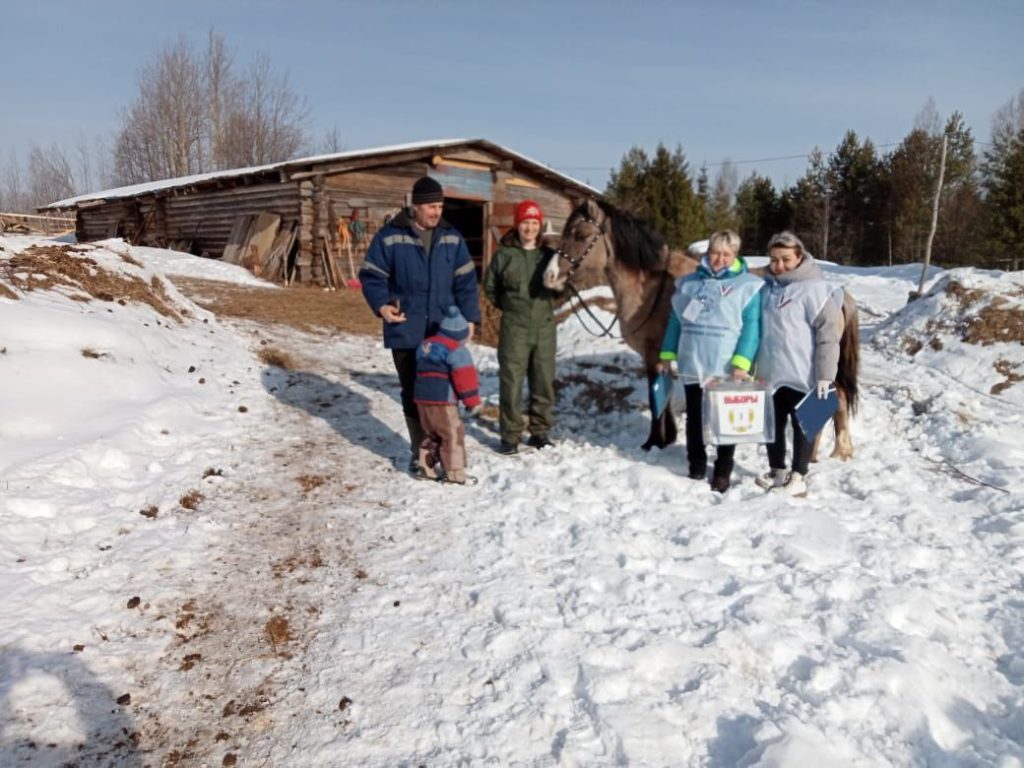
x,y
445,374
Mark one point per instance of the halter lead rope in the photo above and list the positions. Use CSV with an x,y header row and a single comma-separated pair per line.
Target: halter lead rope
x,y
574,264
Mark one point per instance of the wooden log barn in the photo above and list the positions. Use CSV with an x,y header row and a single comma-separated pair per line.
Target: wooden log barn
x,y
310,220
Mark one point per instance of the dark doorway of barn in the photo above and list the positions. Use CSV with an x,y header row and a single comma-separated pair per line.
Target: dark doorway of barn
x,y
467,216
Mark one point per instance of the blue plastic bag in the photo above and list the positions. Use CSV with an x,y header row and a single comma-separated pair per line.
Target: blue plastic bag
x,y
660,393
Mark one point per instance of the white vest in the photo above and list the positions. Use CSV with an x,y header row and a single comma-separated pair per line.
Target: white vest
x,y
788,311
711,315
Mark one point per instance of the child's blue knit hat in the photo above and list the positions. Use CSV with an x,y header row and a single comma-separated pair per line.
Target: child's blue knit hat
x,y
454,325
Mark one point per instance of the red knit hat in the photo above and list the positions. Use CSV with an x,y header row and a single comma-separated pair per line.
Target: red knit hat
x,y
528,210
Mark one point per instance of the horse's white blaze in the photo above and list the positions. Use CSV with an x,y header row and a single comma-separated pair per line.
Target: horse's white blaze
x,y
551,279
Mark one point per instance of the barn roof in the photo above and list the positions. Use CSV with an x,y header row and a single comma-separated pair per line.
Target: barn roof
x,y
308,164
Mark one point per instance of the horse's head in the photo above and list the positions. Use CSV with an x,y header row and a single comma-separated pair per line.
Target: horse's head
x,y
585,251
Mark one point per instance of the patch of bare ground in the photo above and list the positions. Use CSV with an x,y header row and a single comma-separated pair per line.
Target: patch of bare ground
x,y
310,308
191,499
1011,371
996,323
303,307
979,317
965,296
912,346
310,482
271,355
68,269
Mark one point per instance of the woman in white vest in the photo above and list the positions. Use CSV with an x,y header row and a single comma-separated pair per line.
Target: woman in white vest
x,y
713,332
800,330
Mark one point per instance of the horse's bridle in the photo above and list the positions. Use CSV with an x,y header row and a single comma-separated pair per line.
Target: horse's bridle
x,y
576,261
574,264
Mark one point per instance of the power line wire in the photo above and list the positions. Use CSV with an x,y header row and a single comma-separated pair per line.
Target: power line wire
x,y
743,162
718,162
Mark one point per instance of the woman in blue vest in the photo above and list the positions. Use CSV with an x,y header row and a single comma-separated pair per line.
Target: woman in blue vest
x,y
714,331
802,315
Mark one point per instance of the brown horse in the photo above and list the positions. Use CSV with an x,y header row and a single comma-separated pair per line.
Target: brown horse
x,y
602,244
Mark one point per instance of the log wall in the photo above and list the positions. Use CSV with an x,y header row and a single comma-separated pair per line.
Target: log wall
x,y
202,218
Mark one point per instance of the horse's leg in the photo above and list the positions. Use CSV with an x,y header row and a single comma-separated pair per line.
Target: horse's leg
x,y
841,421
814,446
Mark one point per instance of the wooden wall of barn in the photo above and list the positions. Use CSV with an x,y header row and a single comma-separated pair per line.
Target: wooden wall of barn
x,y
377,194
202,218
206,218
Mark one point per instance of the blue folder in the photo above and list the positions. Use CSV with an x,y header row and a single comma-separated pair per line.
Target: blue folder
x,y
661,392
813,412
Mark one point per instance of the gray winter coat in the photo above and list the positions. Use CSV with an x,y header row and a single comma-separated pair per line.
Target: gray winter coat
x,y
801,317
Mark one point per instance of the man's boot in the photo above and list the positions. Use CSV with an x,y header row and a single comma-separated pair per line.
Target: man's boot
x,y
416,435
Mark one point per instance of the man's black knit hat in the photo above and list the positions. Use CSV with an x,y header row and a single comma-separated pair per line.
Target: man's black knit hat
x,y
426,190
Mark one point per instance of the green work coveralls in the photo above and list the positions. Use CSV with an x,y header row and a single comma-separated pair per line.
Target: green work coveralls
x,y
526,346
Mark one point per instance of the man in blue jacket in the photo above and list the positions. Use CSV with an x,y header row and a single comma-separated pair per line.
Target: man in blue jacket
x,y
416,267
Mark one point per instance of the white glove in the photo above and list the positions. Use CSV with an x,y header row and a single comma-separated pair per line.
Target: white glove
x,y
823,388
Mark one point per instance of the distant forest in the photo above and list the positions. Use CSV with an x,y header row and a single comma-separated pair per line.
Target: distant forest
x,y
854,205
196,111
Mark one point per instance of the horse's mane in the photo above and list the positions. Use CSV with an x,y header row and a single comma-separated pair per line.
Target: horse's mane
x,y
637,246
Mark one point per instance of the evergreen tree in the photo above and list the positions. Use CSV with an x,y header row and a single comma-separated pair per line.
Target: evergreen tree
x,y
626,185
758,210
660,190
703,203
857,179
1003,180
912,170
720,211
810,203
961,216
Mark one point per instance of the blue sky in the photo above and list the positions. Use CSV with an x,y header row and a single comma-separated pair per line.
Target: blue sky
x,y
571,84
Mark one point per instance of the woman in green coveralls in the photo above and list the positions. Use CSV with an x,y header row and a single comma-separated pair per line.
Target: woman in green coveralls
x,y
526,346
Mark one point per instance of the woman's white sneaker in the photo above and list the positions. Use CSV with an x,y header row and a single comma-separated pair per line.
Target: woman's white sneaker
x,y
775,478
795,485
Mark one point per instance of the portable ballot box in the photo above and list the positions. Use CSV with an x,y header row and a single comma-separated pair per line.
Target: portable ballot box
x,y
738,412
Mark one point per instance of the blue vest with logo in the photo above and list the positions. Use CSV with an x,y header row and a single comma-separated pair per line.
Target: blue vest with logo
x,y
710,312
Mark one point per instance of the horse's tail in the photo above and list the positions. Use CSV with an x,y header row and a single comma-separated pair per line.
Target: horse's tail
x,y
849,352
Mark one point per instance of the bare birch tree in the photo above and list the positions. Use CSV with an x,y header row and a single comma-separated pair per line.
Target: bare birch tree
x,y
50,176
12,194
274,116
330,143
194,114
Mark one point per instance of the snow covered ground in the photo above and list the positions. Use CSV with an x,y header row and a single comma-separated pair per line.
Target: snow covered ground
x,y
210,560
